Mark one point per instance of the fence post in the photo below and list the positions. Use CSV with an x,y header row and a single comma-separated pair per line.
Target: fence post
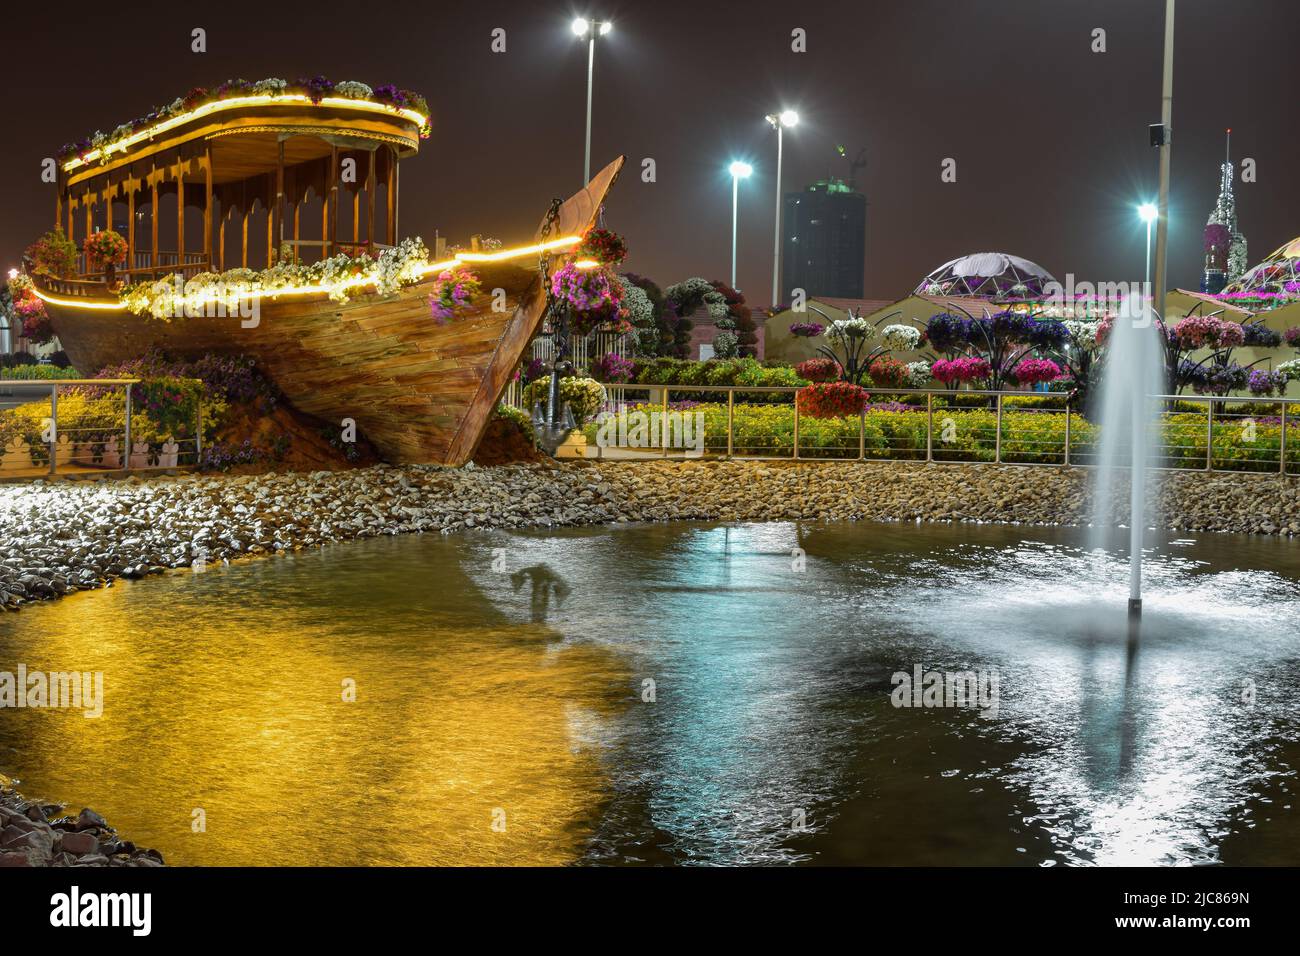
x,y
1067,433
126,452
731,419
1209,435
663,426
862,433
198,428
997,441
796,426
54,426
1281,454
929,427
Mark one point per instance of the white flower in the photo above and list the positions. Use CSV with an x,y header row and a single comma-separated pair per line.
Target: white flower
x,y
854,328
1290,369
900,338
1083,333
271,85
353,90
918,374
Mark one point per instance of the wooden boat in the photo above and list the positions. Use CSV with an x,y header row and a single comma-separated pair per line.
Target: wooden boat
x,y
420,391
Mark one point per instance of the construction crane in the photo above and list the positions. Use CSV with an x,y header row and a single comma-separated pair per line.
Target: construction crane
x,y
858,162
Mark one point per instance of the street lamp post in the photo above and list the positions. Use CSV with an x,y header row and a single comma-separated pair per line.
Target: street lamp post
x,y
779,121
589,28
739,171
1149,214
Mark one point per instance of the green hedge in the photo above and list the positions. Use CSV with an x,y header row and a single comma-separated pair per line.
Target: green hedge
x,y
38,373
1028,436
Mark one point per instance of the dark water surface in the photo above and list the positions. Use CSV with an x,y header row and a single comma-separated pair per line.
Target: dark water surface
x,y
502,714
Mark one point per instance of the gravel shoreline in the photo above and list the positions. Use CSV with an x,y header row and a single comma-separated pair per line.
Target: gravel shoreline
x,y
40,834
65,536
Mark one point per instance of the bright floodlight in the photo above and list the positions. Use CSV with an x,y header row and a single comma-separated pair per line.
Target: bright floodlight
x,y
606,27
1148,212
581,26
741,170
789,118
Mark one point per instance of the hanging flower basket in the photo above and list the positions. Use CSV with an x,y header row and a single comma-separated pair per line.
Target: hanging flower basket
x,y
604,245
103,250
593,296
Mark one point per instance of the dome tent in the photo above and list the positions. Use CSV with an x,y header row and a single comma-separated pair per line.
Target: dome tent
x,y
991,274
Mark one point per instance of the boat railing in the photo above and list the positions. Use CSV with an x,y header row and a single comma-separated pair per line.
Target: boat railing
x,y
938,426
52,446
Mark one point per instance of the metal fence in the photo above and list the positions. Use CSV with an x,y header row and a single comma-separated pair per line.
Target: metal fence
x,y
943,426
82,434
582,349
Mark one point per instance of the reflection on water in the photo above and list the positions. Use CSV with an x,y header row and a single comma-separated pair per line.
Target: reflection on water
x,y
683,693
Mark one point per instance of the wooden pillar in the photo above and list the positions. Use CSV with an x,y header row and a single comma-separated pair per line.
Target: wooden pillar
x,y
130,223
72,205
90,217
370,202
390,200
243,255
180,212
332,237
58,206
279,198
221,239
270,235
153,221
207,204
356,216
397,188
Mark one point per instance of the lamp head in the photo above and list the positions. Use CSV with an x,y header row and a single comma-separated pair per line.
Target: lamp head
x,y
789,118
581,25
1148,212
605,27
740,170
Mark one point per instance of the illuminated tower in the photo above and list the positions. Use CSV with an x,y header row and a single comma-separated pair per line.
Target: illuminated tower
x,y
1225,245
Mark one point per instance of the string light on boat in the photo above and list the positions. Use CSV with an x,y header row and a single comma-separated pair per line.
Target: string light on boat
x,y
197,301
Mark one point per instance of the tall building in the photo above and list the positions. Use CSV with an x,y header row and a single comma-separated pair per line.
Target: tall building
x,y
1225,245
825,240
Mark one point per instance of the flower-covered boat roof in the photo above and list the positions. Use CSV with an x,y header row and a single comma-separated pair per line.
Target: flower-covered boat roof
x,y
199,102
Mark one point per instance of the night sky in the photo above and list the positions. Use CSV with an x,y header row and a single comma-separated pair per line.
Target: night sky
x,y
1050,139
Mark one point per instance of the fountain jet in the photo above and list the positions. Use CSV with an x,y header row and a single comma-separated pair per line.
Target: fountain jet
x,y
1134,374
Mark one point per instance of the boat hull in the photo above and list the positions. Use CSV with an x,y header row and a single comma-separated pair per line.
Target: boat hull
x,y
420,391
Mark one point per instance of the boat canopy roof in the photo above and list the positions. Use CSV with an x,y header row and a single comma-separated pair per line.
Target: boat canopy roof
x,y
244,136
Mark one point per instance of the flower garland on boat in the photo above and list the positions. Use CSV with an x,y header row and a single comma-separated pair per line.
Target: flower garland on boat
x,y
315,88
453,289
396,267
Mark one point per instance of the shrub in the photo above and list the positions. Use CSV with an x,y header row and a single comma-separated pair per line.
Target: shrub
x,y
831,399
40,373
584,396
520,419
